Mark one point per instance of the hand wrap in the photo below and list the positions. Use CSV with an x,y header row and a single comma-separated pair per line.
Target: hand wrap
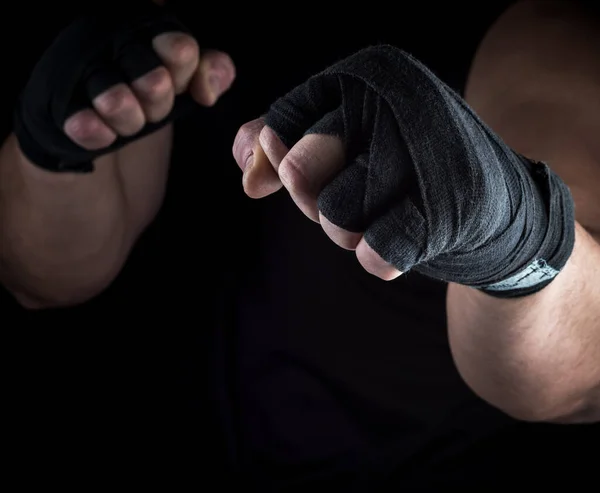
x,y
94,53
432,188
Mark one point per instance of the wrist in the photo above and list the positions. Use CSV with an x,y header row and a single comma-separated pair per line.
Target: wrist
x,y
548,235
16,162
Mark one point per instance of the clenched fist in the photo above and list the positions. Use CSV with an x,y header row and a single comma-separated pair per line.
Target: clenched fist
x,y
394,164
110,79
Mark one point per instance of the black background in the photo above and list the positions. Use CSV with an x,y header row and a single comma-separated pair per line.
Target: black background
x,y
115,391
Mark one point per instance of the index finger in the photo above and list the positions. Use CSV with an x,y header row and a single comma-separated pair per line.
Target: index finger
x,y
260,178
308,167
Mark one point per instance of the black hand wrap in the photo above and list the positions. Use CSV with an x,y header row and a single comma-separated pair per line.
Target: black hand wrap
x,y
430,185
94,53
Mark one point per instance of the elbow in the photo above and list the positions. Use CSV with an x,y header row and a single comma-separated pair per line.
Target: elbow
x,y
539,401
565,410
553,408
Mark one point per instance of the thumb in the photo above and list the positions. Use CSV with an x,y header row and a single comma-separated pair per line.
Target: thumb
x,y
214,76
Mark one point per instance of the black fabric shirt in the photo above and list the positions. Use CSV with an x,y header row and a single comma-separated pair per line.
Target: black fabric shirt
x,y
239,343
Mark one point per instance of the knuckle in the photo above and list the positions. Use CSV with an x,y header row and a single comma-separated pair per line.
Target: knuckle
x,y
248,132
183,50
245,129
82,126
247,137
115,101
154,85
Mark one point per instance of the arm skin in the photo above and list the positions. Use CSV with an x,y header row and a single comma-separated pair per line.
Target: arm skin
x,y
536,81
64,237
538,357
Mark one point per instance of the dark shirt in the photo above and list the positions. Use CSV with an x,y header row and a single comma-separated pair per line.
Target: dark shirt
x,y
239,343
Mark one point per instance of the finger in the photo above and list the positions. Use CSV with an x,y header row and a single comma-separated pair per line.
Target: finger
x,y
374,264
149,79
260,175
87,129
399,235
260,178
213,77
120,110
245,141
180,54
274,148
155,93
308,167
341,237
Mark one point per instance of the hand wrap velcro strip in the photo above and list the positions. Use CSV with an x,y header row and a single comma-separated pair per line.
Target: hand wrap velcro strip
x,y
94,53
432,188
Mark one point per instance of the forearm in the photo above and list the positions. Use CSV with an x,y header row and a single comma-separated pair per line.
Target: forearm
x,y
62,235
537,357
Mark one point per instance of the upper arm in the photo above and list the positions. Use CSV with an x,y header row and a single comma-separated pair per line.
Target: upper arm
x,y
536,81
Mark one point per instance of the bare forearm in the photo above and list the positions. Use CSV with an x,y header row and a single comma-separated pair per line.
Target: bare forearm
x,y
64,237
537,357
60,233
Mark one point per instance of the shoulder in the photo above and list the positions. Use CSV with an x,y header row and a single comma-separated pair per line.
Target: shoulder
x,y
534,81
